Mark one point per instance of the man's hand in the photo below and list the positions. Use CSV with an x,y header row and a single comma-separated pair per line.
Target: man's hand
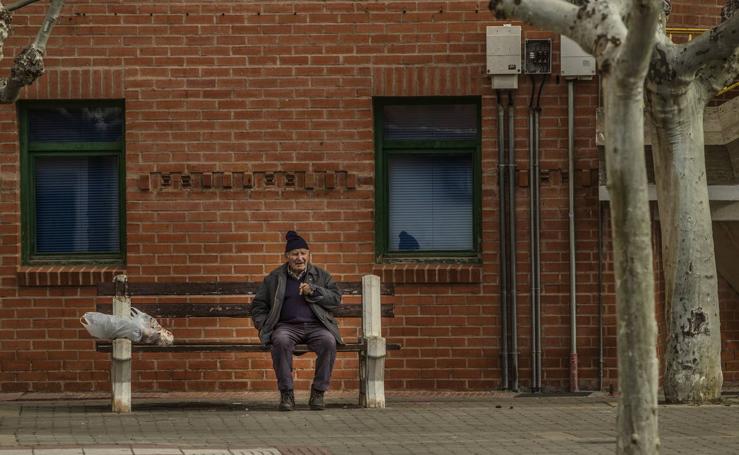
x,y
305,289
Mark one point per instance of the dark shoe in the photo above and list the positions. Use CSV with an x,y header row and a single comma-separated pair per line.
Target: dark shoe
x,y
287,400
316,400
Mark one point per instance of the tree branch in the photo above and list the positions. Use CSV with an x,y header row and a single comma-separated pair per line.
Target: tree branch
x,y
716,48
594,25
5,20
639,42
20,4
555,15
52,15
716,75
29,64
719,73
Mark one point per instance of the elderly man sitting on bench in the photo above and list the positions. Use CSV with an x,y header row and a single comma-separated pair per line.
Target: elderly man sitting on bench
x,y
293,306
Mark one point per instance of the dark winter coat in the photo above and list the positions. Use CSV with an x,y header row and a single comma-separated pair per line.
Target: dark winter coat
x,y
267,304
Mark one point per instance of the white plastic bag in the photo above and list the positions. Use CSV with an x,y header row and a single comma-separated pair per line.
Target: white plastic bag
x,y
151,331
109,327
139,327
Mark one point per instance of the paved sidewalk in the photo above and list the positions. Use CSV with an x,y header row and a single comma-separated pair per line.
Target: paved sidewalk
x,y
412,423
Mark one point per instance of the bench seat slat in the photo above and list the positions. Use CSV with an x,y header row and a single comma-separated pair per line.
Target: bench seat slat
x,y
227,310
230,347
218,288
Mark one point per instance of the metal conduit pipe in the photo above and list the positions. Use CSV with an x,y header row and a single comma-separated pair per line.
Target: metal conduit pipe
x,y
600,296
534,238
503,246
512,237
537,239
571,181
532,231
537,236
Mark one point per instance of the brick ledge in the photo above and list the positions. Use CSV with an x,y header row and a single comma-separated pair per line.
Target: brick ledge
x,y
429,273
60,275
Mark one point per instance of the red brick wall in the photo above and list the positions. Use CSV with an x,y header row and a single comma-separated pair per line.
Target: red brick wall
x,y
729,299
246,119
702,14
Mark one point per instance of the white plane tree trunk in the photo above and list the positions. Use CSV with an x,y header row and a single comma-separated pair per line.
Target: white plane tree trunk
x,y
632,257
621,35
693,351
681,81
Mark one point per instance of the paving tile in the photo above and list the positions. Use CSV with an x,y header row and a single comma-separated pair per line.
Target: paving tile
x,y
431,423
156,451
108,451
76,451
8,440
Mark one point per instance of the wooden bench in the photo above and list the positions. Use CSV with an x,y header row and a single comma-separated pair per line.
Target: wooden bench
x,y
370,345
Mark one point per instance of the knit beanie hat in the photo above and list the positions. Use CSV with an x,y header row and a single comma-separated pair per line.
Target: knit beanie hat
x,y
294,241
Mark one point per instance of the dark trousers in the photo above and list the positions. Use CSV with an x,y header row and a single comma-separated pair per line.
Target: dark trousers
x,y
319,340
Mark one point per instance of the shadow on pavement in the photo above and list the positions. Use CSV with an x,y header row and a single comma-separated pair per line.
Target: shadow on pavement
x,y
82,407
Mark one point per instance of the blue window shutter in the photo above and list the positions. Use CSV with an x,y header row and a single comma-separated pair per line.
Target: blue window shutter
x,y
77,204
430,202
430,122
75,124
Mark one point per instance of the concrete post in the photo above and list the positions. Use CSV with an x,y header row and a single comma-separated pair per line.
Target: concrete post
x,y
372,362
120,365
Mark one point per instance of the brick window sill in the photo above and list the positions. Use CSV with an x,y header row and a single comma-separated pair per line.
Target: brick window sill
x,y
429,273
55,275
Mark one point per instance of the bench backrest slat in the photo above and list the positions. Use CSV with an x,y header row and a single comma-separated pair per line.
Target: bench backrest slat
x,y
216,288
226,310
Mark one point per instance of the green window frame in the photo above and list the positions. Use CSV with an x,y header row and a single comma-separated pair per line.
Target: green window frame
x,y
389,148
36,151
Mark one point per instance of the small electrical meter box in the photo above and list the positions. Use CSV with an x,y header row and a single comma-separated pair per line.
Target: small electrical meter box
x,y
538,56
575,61
503,53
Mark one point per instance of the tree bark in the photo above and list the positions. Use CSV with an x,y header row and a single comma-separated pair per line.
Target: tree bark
x,y
632,250
693,351
681,81
621,36
630,223
676,102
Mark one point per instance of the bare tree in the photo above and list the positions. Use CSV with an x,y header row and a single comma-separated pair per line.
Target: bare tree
x,y
29,64
682,80
621,35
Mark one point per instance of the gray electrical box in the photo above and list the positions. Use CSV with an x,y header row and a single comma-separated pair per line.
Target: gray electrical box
x,y
538,56
503,54
575,61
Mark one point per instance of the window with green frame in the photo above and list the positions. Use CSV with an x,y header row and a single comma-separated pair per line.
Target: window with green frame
x,y
73,182
428,177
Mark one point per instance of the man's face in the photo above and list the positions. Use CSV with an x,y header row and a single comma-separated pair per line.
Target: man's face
x,y
298,259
